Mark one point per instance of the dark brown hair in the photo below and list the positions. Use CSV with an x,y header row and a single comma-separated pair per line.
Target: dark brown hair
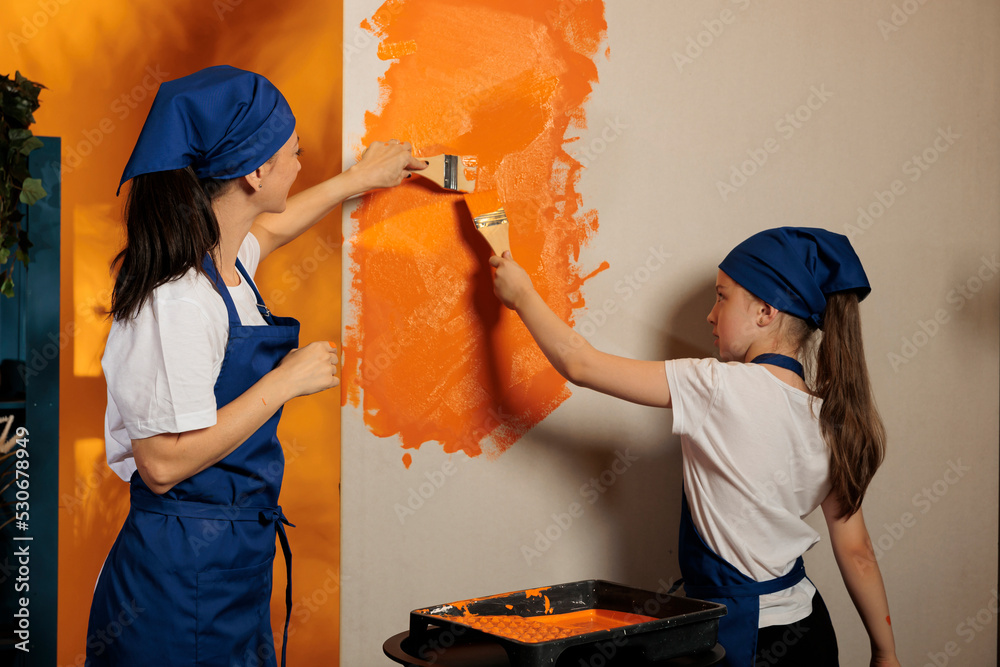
x,y
169,226
849,420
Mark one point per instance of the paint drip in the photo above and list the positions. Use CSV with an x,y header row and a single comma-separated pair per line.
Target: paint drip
x,y
430,353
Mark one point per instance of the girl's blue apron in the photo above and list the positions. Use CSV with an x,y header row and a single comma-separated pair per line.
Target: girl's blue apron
x,y
188,580
707,576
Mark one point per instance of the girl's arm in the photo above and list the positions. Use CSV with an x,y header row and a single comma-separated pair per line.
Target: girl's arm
x,y
382,165
643,382
168,458
852,547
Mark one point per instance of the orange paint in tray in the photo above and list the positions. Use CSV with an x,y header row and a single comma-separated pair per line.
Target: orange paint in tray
x,y
430,353
537,625
534,629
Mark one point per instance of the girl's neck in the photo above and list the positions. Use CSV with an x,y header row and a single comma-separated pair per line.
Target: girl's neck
x,y
789,377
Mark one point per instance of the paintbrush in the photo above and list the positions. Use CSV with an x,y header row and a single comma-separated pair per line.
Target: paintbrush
x,y
451,172
490,219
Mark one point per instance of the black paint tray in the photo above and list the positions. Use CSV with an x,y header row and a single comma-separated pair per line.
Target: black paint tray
x,y
683,625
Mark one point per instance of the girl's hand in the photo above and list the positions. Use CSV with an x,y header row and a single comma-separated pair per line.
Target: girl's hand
x,y
510,282
384,165
310,369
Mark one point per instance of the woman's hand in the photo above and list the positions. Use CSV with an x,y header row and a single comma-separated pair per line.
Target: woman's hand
x,y
510,282
384,165
310,369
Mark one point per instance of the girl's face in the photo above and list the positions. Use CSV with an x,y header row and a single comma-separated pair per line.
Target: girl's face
x,y
733,319
283,170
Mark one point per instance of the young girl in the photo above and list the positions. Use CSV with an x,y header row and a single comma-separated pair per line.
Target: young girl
x,y
761,449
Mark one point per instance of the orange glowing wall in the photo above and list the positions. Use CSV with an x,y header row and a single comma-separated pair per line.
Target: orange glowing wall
x,y
431,354
101,61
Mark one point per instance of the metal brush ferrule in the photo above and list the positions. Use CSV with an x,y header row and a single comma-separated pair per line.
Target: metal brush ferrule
x,y
497,217
451,172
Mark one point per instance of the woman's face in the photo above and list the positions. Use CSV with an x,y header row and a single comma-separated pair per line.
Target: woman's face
x,y
277,180
733,318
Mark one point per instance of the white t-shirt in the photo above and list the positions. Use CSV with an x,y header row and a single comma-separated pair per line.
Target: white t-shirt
x,y
755,465
161,367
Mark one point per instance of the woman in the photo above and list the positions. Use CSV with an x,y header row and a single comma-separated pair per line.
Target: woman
x,y
198,369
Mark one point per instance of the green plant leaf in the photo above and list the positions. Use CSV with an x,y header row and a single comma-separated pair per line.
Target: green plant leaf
x,y
8,288
32,191
4,255
17,134
31,144
21,256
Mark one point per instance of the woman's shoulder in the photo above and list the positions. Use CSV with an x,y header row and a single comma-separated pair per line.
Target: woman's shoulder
x,y
190,295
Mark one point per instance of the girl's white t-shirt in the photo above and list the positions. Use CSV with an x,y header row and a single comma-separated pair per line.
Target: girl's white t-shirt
x,y
755,465
161,367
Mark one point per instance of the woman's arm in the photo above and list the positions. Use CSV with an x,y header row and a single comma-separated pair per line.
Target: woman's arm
x,y
643,382
852,547
382,165
168,458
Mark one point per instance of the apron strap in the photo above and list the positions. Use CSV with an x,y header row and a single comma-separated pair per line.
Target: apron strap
x,y
234,319
782,361
755,589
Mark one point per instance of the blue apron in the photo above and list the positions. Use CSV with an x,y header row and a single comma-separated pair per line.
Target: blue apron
x,y
707,576
188,580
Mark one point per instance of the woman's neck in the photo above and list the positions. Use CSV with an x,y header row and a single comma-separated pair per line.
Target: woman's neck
x,y
235,220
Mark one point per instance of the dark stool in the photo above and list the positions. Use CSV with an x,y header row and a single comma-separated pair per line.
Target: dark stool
x,y
489,654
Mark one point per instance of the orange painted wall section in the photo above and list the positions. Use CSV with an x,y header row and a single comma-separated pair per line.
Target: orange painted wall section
x,y
102,61
431,355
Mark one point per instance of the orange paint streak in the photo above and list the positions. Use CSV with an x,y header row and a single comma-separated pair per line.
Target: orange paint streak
x,y
407,460
503,80
888,620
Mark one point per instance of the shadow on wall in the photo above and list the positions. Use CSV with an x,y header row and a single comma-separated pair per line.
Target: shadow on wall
x,y
634,479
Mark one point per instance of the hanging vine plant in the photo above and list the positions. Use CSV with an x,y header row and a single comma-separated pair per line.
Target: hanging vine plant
x,y
18,102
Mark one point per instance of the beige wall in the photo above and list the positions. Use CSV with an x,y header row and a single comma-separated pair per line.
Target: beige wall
x,y
903,125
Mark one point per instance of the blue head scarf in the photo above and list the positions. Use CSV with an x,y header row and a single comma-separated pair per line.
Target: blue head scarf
x,y
794,268
221,121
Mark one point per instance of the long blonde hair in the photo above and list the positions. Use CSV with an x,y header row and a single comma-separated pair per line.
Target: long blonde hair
x,y
848,418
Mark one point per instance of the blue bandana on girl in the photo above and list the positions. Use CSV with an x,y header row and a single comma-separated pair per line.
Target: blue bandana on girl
x,y
794,268
221,121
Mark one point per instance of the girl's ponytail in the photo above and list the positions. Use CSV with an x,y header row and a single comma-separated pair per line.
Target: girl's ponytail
x,y
849,419
170,225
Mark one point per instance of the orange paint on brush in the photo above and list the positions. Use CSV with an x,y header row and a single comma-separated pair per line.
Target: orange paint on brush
x,y
431,355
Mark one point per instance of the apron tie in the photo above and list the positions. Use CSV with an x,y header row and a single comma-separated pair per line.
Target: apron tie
x,y
277,517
